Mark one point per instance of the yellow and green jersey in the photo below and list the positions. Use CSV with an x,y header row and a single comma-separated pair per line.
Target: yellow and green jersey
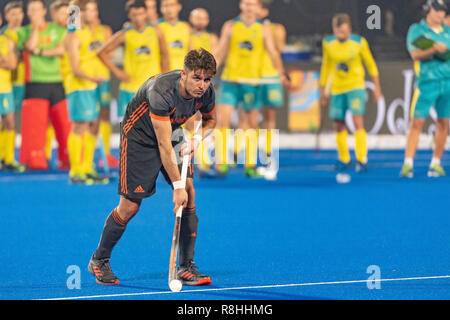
x,y
268,70
38,68
201,41
245,54
87,58
5,75
141,58
99,38
342,64
18,75
177,37
433,68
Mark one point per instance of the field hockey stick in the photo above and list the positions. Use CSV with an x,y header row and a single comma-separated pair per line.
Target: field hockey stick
x,y
174,283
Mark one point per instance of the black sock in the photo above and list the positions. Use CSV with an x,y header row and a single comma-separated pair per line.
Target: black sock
x,y
188,235
112,231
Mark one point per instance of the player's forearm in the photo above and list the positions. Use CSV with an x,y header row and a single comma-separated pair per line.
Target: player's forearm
x,y
77,72
376,82
8,62
278,64
54,52
423,55
33,40
104,58
165,63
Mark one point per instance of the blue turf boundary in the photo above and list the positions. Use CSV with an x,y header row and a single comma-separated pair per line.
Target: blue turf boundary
x,y
302,228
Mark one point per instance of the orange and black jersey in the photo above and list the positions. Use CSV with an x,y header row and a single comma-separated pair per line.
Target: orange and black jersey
x,y
159,98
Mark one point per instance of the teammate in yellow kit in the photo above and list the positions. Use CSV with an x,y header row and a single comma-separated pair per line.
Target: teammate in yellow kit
x,y
100,35
272,94
82,96
241,48
14,17
342,73
8,62
201,38
145,53
176,32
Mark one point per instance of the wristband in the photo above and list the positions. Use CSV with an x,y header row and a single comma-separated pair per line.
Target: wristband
x,y
178,185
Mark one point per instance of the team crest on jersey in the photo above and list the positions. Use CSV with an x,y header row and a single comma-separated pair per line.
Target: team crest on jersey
x,y
94,45
342,67
246,45
176,44
142,50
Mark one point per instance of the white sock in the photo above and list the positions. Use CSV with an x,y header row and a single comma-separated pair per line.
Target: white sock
x,y
409,162
435,161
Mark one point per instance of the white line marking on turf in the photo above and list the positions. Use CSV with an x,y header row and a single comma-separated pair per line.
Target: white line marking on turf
x,y
249,287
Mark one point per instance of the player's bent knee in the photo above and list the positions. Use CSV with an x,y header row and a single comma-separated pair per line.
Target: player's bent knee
x,y
128,208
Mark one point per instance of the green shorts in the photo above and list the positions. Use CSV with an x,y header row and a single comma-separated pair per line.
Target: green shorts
x,y
124,98
19,94
355,101
272,93
233,94
6,103
83,105
104,94
431,93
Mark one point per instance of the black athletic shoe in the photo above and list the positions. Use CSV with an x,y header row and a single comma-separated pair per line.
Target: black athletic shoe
x,y
190,276
101,269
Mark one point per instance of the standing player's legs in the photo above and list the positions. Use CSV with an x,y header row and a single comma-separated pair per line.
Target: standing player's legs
x,y
83,110
424,98
35,115
250,98
114,228
105,128
7,134
338,107
59,116
442,107
357,100
227,101
139,167
272,99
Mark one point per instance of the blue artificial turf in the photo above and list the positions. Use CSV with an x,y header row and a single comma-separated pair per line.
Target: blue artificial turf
x,y
303,229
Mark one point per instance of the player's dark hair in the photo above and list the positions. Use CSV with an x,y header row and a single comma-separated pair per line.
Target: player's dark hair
x,y
340,19
200,59
134,4
13,5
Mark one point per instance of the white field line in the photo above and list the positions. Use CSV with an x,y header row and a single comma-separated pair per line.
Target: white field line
x,y
249,287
